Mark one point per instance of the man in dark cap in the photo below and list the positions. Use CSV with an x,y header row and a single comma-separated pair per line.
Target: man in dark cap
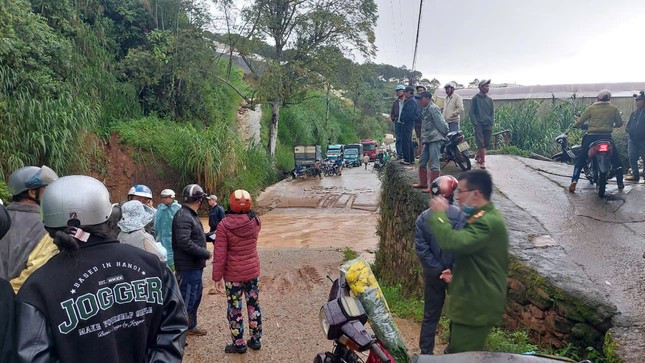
x,y
482,115
636,142
409,116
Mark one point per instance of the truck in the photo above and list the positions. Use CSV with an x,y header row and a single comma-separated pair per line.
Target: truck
x,y
370,148
353,154
334,151
307,161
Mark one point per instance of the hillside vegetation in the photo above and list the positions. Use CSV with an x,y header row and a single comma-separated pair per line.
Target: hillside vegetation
x,y
73,73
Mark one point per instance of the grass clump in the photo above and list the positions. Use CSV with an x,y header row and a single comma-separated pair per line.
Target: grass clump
x,y
401,306
349,254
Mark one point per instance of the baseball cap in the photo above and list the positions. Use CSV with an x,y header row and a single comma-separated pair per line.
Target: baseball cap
x,y
640,96
212,197
484,82
167,193
605,93
399,87
450,84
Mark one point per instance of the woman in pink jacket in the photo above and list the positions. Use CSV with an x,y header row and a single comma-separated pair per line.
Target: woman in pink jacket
x,y
236,260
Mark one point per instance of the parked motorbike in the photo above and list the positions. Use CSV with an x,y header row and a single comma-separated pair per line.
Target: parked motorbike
x,y
456,148
343,320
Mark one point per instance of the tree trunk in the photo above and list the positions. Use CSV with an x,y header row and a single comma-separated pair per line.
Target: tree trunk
x,y
273,131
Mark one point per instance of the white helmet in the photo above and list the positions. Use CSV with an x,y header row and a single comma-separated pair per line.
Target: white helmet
x,y
75,197
141,190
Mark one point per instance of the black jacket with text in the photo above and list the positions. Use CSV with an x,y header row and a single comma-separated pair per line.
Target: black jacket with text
x,y
108,302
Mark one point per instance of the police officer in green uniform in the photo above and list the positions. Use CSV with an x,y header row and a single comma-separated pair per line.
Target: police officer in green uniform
x,y
477,294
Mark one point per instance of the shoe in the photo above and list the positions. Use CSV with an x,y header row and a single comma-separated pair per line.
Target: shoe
x,y
254,344
621,185
634,178
232,348
197,332
572,187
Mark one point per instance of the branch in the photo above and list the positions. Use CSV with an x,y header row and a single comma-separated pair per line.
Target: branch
x,y
249,101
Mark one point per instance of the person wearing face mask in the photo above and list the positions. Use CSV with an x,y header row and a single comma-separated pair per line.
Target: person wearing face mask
x,y
479,276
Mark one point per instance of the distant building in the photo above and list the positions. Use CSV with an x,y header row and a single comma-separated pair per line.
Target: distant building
x,y
621,94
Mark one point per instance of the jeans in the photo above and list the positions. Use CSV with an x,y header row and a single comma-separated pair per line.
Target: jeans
x,y
406,143
453,126
434,295
587,140
397,135
430,155
635,150
190,286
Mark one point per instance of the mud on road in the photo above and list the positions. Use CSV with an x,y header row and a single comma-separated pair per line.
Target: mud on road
x,y
305,226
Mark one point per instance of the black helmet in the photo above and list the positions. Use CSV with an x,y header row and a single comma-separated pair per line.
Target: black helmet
x,y
5,220
193,193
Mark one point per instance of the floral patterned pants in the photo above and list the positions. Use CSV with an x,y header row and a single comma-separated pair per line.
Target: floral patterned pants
x,y
234,291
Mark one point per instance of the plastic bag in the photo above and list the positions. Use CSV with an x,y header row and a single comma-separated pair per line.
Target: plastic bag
x,y
365,287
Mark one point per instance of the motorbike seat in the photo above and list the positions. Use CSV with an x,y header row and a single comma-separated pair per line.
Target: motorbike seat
x,y
452,133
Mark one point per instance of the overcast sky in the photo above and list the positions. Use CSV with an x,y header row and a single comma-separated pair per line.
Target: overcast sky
x,y
526,42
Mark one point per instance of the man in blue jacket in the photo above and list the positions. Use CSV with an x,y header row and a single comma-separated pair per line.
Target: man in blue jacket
x,y
437,264
410,114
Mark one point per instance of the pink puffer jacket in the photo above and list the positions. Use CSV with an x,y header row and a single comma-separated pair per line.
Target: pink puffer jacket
x,y
235,255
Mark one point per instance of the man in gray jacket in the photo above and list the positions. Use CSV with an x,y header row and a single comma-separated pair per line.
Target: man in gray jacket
x,y
433,131
437,264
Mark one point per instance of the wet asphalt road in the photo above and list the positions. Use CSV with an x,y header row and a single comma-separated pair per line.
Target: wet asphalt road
x,y
604,236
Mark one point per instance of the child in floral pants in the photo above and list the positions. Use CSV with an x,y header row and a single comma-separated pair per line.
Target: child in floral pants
x,y
234,292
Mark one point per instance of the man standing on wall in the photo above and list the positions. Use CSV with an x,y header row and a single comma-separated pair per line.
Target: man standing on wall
x,y
395,116
409,116
453,107
479,283
434,130
482,115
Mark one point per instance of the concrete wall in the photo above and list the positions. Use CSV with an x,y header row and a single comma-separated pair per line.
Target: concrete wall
x,y
547,295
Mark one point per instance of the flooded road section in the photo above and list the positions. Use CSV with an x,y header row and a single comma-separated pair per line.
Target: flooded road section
x,y
332,212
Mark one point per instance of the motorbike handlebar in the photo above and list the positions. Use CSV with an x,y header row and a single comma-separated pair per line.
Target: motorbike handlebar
x,y
379,353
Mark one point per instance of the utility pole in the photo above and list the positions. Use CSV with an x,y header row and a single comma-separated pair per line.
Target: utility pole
x,y
416,43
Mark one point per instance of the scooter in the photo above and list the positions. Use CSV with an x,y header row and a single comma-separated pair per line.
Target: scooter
x,y
343,320
456,148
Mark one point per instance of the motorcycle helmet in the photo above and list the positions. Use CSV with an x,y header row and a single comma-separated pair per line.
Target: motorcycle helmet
x,y
140,190
445,185
30,177
193,193
5,220
240,201
77,197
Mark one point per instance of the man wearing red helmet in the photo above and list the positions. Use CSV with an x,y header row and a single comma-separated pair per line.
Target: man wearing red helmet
x,y
437,264
237,261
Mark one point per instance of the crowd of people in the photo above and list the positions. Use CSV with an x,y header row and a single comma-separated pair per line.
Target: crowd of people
x,y
79,274
432,124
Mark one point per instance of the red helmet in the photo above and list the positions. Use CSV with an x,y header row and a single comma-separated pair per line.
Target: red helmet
x,y
445,185
240,201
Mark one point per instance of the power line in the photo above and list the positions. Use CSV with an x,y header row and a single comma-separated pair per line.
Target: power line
x,y
416,43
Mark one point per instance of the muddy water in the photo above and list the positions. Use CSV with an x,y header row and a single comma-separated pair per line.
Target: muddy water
x,y
332,212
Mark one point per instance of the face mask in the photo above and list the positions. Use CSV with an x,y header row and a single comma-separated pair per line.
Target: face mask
x,y
468,209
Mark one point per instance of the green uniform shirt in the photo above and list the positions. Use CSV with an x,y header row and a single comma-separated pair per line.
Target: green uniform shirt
x,y
477,293
602,117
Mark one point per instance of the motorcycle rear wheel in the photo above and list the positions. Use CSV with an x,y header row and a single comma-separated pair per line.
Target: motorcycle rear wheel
x,y
601,184
462,161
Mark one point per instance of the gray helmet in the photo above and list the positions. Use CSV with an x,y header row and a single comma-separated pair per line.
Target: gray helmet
x,y
193,193
75,197
30,177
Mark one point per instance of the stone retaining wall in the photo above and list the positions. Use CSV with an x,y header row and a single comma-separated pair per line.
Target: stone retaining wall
x,y
548,295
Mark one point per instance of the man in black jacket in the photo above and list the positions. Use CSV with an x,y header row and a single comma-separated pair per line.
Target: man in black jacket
x,y
409,116
636,142
7,315
97,300
189,247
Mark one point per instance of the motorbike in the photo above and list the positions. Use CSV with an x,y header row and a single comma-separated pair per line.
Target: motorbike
x,y
456,149
600,154
306,171
569,155
343,319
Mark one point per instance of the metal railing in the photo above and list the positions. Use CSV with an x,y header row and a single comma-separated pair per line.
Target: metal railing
x,y
500,138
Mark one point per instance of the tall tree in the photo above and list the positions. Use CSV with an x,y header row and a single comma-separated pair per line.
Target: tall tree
x,y
300,32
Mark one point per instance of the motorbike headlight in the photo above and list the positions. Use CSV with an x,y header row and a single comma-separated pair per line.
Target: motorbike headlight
x,y
324,324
